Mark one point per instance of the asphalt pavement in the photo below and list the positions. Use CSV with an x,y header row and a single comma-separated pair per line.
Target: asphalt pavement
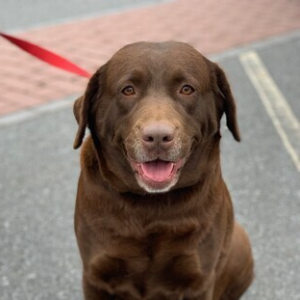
x,y
39,170
16,15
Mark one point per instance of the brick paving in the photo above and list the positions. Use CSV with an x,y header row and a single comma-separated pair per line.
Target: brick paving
x,y
211,26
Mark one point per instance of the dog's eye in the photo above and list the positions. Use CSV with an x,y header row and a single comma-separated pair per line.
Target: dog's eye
x,y
128,91
187,90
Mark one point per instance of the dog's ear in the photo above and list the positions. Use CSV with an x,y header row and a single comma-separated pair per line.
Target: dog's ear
x,y
228,104
82,108
77,108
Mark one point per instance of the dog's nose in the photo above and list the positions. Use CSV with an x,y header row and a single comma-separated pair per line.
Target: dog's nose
x,y
158,134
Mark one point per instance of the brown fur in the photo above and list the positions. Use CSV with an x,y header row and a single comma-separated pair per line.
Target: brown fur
x,y
157,242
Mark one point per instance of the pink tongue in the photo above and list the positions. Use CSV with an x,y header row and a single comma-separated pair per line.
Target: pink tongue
x,y
157,170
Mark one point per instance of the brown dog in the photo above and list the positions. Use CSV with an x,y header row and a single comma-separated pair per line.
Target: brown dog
x,y
154,219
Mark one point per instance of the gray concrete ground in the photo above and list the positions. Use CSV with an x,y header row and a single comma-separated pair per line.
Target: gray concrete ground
x,y
38,178
16,14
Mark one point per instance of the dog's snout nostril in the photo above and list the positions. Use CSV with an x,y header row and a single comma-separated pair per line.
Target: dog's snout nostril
x,y
147,138
158,133
168,138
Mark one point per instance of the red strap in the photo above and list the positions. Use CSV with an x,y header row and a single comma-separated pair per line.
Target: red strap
x,y
46,56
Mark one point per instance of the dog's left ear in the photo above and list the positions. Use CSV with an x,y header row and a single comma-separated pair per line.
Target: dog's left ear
x,y
224,92
82,108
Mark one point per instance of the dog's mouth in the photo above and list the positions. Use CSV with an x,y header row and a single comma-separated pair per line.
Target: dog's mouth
x,y
157,175
158,170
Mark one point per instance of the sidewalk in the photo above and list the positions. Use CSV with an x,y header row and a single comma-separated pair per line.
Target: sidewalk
x,y
210,26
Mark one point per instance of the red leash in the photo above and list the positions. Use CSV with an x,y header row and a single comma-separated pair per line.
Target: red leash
x,y
47,56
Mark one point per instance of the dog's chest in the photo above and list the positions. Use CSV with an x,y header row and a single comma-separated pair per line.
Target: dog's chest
x,y
162,264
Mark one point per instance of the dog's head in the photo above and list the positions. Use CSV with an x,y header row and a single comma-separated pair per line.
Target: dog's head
x,y
154,113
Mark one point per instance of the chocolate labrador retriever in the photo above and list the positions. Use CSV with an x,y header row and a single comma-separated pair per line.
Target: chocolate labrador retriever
x,y
154,219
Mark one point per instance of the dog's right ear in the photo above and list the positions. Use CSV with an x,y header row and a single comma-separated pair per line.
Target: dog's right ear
x,y
77,108
82,108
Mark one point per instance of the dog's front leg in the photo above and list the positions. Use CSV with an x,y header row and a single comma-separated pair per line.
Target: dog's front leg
x,y
208,294
93,293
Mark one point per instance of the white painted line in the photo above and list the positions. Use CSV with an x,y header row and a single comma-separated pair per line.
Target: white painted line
x,y
277,107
